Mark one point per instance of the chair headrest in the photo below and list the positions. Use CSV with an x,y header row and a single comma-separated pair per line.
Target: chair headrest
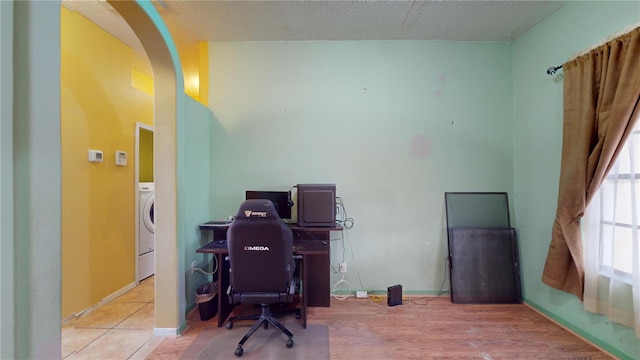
x,y
257,209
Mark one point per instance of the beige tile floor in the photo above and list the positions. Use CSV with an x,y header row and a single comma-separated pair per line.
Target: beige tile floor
x,y
121,329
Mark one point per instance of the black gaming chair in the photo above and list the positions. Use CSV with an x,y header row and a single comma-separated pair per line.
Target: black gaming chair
x,y
261,264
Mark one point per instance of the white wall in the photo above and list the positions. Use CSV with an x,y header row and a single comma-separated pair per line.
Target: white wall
x,y
394,124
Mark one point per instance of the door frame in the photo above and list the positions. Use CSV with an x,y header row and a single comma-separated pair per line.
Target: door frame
x,y
139,127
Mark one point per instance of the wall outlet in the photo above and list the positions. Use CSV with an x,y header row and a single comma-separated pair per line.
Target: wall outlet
x,y
193,266
361,294
343,267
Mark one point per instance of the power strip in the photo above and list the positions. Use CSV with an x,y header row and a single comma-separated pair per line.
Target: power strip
x,y
361,294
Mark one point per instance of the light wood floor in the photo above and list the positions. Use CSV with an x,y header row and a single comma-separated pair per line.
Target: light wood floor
x,y
425,328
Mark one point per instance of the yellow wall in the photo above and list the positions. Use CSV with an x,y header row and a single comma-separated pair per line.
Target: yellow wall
x,y
99,109
141,82
146,156
203,73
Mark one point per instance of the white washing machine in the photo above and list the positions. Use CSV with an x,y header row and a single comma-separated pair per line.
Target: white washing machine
x,y
146,230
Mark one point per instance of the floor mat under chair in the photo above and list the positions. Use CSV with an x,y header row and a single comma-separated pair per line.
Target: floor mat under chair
x,y
220,343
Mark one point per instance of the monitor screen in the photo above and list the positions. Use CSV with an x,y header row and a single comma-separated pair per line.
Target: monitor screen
x,y
281,200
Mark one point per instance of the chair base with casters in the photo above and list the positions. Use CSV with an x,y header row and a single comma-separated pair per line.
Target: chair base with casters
x,y
265,318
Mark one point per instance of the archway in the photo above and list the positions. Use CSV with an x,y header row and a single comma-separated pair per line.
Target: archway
x,y
30,173
148,26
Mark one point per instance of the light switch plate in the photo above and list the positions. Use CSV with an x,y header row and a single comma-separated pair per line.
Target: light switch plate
x,y
121,158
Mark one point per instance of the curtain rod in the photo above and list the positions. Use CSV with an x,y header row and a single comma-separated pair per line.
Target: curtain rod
x,y
552,70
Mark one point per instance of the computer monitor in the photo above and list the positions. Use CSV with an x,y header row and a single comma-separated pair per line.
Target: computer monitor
x,y
281,200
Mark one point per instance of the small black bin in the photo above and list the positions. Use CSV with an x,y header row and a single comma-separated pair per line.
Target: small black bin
x,y
207,300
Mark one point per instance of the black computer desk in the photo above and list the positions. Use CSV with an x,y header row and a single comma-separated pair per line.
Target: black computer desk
x,y
312,243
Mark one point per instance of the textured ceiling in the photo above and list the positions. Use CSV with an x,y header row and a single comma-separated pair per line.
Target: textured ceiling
x,y
192,21
355,20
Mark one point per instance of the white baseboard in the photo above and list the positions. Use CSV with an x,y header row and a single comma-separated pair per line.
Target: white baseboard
x,y
104,301
165,332
116,294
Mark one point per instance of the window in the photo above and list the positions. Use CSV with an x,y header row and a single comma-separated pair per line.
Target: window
x,y
610,237
619,198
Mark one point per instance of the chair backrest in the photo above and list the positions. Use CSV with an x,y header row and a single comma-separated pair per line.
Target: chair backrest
x,y
260,249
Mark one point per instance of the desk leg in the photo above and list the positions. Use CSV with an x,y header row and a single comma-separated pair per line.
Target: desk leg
x,y
317,285
224,307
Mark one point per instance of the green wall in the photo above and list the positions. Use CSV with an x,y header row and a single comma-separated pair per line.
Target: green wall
x,y
537,138
194,162
34,277
394,124
7,243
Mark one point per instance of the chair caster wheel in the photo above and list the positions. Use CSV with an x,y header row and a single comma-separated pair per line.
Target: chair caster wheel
x,y
289,342
238,352
229,325
298,315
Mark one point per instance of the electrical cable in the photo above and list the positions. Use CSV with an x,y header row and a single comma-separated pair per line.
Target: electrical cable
x,y
444,278
347,225
340,285
336,271
339,206
203,275
354,261
213,259
411,300
203,272
344,249
346,222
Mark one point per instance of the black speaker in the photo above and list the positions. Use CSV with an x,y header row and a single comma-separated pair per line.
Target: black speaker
x,y
316,205
394,295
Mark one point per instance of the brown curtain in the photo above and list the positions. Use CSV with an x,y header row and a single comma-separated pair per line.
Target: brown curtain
x,y
601,105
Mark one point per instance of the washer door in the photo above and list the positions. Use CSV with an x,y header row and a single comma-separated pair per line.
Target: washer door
x,y
147,213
